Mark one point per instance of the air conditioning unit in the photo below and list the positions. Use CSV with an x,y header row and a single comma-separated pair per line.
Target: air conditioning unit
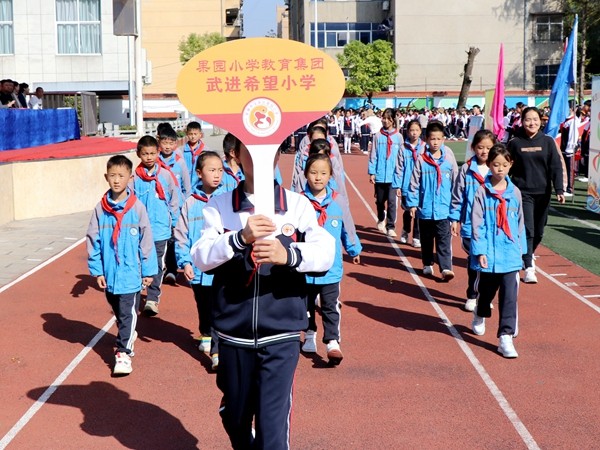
x,y
231,14
385,5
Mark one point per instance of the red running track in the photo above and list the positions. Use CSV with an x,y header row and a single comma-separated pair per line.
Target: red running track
x,y
413,376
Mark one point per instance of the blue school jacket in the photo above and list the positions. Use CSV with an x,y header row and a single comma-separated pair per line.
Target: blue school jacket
x,y
178,166
384,168
189,230
190,162
503,254
163,214
463,194
433,202
135,247
406,164
334,226
231,180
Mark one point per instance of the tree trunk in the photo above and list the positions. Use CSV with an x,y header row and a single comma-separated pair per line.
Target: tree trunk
x,y
467,80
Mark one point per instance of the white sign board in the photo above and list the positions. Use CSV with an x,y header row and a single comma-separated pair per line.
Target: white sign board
x,y
593,199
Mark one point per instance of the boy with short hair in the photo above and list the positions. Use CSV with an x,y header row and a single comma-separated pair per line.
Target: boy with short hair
x,y
121,254
192,149
429,198
174,163
157,191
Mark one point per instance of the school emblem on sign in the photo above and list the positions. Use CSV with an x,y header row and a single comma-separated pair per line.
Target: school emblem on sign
x,y
288,229
261,117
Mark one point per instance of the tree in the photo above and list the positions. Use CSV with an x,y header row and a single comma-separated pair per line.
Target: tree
x,y
196,43
467,79
588,39
371,67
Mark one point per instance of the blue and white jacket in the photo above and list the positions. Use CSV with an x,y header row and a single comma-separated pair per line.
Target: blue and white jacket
x,y
432,201
463,193
136,257
231,180
504,255
334,225
178,166
259,305
385,169
406,165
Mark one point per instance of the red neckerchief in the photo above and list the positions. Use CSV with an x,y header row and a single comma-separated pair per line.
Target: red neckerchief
x,y
348,122
118,215
201,197
389,135
141,172
197,151
429,160
476,173
320,208
168,168
229,170
501,213
414,150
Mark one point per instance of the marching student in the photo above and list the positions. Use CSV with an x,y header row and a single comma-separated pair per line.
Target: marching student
x,y
470,176
498,244
192,149
232,171
121,255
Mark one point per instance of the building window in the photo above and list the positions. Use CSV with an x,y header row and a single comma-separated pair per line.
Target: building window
x,y
549,28
7,42
78,27
337,35
545,76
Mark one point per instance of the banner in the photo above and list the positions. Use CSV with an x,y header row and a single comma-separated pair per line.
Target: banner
x,y
593,199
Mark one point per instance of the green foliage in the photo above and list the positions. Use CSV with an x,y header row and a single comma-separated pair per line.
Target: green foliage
x,y
196,43
371,67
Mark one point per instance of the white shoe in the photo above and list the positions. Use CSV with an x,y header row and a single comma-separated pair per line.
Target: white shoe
x,y
391,233
334,353
151,308
530,276
122,364
416,243
506,346
447,275
204,345
404,237
478,324
470,304
214,359
428,270
310,342
568,194
583,179
381,226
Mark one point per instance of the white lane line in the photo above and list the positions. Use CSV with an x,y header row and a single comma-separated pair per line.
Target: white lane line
x,y
581,221
42,265
558,274
592,296
8,437
579,297
487,379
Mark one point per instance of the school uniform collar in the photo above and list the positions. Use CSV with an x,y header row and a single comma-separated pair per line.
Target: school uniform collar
x,y
510,187
330,194
240,201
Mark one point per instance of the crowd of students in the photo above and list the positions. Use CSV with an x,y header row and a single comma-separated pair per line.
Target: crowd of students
x,y
256,279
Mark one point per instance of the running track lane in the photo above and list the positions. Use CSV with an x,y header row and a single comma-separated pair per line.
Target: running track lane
x,y
404,382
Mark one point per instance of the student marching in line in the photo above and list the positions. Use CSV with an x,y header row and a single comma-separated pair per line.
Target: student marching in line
x,y
155,188
121,255
429,198
470,176
188,230
383,170
175,165
259,290
330,215
192,149
407,158
498,244
349,128
232,171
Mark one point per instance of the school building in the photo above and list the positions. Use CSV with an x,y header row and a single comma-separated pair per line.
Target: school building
x,y
431,38
69,46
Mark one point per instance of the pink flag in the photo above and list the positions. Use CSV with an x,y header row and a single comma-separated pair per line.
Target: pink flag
x,y
497,111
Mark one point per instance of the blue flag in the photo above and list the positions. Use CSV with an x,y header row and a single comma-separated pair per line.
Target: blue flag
x,y
559,96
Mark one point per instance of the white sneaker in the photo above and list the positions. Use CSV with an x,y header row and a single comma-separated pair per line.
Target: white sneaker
x,y
404,237
204,345
334,354
391,233
568,194
583,179
428,270
478,324
470,304
506,346
215,361
416,243
447,275
530,276
310,342
151,308
381,226
122,364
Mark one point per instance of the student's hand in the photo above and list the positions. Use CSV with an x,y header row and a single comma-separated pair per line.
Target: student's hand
x,y
372,179
560,198
399,193
101,280
483,261
356,260
188,271
454,228
258,226
147,281
270,251
413,212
